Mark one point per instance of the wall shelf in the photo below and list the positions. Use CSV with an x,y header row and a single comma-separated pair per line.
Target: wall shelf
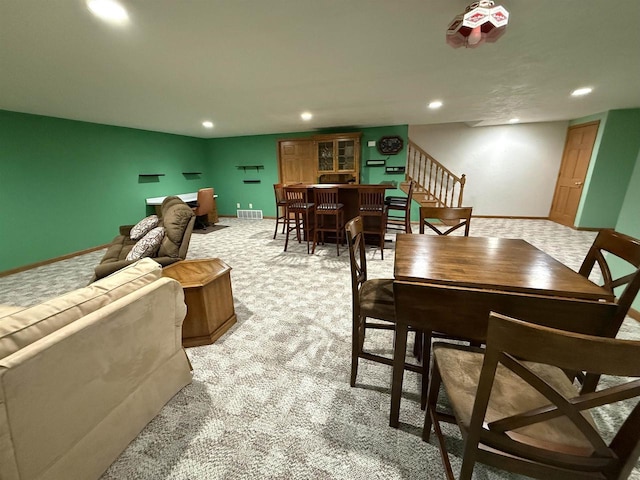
x,y
251,181
376,163
192,173
394,169
151,174
245,167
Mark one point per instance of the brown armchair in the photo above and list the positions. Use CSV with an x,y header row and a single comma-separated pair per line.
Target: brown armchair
x,y
176,217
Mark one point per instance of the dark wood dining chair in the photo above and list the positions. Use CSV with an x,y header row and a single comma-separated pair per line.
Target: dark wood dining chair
x,y
399,211
449,219
453,218
371,208
373,304
327,205
625,250
518,411
299,210
281,208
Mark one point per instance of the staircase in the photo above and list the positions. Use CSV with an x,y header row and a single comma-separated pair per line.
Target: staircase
x,y
434,184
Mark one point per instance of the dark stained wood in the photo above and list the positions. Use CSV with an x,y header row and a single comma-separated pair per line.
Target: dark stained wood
x,y
505,264
513,440
451,284
207,293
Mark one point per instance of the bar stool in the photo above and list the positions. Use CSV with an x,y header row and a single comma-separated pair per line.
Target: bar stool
x,y
327,205
281,208
402,220
298,205
371,205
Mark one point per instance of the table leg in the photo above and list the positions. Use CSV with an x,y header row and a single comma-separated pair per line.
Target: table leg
x,y
399,354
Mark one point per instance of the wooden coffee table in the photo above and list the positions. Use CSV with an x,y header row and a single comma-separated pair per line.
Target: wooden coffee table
x,y
207,293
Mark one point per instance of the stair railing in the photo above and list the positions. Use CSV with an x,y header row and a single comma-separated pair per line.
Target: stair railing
x,y
433,178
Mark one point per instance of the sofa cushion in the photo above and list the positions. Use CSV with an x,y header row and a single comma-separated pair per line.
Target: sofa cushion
x,y
174,220
28,325
6,310
148,245
143,227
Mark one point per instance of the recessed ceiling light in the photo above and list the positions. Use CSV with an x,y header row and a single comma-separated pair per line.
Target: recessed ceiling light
x,y
108,10
306,116
207,124
581,91
435,104
514,120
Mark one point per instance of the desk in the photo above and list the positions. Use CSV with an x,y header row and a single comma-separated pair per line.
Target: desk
x,y
185,197
450,284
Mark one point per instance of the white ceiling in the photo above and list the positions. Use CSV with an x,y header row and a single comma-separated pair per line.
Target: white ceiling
x,y
252,66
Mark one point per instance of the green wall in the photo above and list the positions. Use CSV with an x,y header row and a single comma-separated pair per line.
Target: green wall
x,y
611,165
226,154
66,186
629,221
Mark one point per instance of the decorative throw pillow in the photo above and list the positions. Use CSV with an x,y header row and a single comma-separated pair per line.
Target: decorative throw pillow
x,y
148,245
143,227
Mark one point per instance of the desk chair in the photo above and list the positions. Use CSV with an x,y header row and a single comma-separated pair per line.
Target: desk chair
x,y
202,208
626,250
452,217
298,206
281,208
371,208
518,411
327,205
399,211
371,299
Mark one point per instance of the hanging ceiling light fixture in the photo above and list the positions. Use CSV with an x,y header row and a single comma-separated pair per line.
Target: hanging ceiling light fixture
x,y
481,22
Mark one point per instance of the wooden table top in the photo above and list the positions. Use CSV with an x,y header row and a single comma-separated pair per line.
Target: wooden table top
x,y
510,265
196,273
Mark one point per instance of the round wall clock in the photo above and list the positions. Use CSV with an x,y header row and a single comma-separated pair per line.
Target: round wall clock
x,y
390,145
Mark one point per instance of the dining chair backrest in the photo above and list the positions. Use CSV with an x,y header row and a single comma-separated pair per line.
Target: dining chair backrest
x,y
326,199
625,249
357,258
451,217
278,189
297,197
371,201
511,345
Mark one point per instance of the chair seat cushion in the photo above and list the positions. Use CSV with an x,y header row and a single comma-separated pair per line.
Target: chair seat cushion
x,y
460,369
376,299
330,206
300,206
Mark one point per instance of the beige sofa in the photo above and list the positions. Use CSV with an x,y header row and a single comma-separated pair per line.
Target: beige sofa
x,y
82,374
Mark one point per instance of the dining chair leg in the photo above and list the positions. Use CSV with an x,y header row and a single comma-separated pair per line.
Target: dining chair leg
x,y
356,347
426,359
432,401
286,240
315,236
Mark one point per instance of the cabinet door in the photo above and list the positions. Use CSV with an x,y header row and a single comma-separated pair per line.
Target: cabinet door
x,y
296,161
346,155
325,156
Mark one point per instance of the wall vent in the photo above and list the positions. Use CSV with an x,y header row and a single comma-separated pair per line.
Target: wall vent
x,y
250,214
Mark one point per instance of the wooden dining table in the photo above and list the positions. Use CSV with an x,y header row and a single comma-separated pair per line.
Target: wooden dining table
x,y
449,284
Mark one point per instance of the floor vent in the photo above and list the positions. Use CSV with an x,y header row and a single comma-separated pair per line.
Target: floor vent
x,y
250,214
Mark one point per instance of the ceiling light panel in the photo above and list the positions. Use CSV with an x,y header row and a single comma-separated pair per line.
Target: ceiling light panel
x,y
108,10
435,104
581,91
306,116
